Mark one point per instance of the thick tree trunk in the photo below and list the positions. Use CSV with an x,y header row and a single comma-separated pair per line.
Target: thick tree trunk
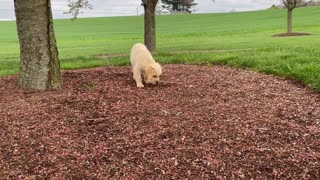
x,y
39,61
289,21
150,24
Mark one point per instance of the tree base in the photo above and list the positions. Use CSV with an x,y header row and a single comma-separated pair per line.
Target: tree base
x,y
291,34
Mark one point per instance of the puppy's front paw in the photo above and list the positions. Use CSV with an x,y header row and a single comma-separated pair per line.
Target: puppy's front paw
x,y
140,85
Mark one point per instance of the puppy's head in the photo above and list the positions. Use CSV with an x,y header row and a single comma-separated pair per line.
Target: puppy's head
x,y
153,73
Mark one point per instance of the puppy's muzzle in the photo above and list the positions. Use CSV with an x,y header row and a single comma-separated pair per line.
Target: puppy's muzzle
x,y
154,82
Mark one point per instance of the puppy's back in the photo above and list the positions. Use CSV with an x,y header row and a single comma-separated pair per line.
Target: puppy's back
x,y
139,52
139,46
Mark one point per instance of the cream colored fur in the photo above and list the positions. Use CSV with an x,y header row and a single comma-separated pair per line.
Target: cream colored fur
x,y
144,66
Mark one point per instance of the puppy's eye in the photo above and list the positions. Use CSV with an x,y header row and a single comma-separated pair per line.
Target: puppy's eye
x,y
155,76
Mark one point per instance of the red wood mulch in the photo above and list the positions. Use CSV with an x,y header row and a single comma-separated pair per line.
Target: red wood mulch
x,y
200,122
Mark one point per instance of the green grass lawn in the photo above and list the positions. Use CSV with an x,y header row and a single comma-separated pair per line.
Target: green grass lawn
x,y
244,37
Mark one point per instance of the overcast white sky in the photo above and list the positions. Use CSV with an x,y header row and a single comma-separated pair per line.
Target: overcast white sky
x,y
132,7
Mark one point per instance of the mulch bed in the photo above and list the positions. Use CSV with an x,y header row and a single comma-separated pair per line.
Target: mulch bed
x,y
199,123
291,34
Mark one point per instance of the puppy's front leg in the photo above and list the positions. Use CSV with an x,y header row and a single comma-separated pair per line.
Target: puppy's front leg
x,y
137,78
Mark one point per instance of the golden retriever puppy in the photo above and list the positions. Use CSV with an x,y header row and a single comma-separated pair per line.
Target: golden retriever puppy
x,y
143,65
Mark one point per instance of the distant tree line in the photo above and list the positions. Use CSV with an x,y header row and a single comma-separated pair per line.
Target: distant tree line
x,y
178,5
299,3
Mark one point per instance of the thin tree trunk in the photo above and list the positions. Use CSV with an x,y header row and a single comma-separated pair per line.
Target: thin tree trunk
x,y
150,24
39,61
289,21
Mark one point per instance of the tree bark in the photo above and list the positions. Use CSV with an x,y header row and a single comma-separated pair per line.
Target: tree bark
x,y
150,24
289,21
39,61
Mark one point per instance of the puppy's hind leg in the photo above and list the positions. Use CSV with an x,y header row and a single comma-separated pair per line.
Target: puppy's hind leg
x,y
137,78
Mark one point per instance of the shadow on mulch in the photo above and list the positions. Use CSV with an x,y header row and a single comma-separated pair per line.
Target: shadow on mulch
x,y
291,34
199,123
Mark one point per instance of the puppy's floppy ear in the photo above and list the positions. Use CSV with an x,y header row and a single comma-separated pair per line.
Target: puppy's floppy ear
x,y
149,70
159,67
